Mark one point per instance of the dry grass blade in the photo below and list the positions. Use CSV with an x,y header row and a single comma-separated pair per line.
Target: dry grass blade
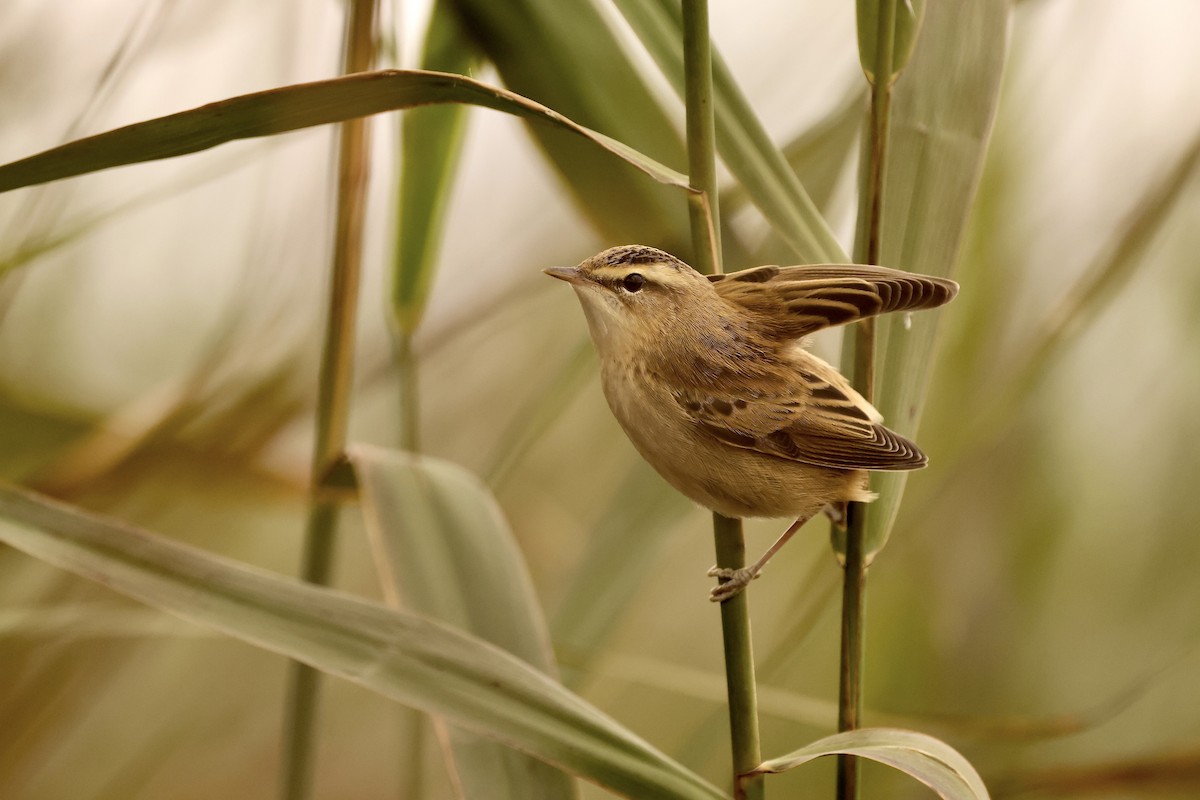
x,y
334,384
67,232
42,212
1100,283
1105,276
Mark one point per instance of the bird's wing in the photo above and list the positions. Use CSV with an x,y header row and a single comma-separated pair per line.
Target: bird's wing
x,y
813,416
796,301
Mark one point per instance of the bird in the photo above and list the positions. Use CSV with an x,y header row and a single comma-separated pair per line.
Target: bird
x,y
709,379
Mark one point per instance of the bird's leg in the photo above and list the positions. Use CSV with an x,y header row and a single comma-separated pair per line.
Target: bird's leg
x,y
837,513
733,581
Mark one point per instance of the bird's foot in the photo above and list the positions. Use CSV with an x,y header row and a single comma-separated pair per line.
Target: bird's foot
x,y
837,514
733,581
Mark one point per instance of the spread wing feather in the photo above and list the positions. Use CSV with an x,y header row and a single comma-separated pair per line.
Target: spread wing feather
x,y
817,419
796,301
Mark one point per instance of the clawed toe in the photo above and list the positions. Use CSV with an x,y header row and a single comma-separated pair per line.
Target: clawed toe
x,y
733,581
836,513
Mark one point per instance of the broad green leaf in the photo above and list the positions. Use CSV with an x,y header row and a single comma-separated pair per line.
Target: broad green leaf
x,y
429,154
544,406
742,141
941,118
291,108
820,157
444,550
564,54
887,33
417,661
931,761
618,559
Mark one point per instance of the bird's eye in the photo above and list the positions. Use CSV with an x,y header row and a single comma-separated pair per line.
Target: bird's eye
x,y
633,282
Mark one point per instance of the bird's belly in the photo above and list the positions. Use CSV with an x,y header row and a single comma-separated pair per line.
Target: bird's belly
x,y
733,481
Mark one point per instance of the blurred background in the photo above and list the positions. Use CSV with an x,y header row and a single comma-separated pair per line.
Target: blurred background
x,y
1037,606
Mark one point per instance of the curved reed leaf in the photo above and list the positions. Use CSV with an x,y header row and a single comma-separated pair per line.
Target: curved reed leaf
x,y
906,16
564,53
291,108
742,141
939,136
542,408
429,153
931,761
617,561
444,550
416,661
819,156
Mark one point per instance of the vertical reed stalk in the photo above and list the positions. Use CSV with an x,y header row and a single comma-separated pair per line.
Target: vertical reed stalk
x,y
739,665
703,208
333,397
410,410
854,588
862,377
727,533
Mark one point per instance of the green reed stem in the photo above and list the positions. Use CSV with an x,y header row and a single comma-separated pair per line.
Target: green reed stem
x,y
408,369
704,210
850,671
854,585
333,398
727,533
740,685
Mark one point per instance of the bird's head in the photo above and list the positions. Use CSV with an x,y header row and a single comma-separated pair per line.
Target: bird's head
x,y
635,293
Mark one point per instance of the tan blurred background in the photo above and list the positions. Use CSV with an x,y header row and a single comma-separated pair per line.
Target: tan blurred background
x,y
1037,605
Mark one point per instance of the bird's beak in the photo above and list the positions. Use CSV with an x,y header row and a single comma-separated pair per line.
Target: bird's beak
x,y
568,274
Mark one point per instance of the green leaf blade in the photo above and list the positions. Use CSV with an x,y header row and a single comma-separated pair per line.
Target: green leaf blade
x,y
939,135
446,552
291,108
430,149
931,761
743,143
413,660
902,20
563,53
